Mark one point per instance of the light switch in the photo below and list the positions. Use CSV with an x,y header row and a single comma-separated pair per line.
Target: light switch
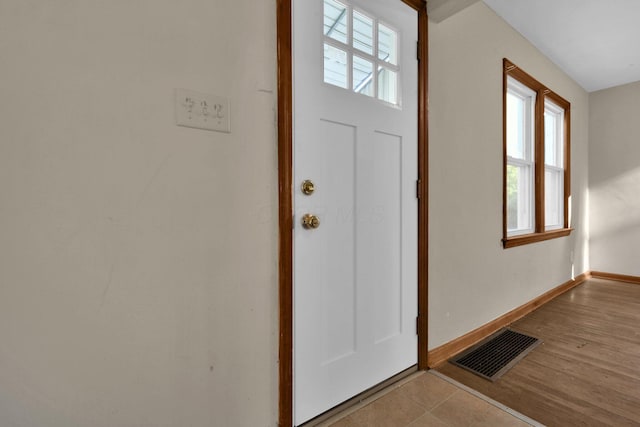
x,y
202,111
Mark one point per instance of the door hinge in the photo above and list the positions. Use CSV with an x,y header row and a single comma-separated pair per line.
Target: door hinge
x,y
417,325
418,188
418,50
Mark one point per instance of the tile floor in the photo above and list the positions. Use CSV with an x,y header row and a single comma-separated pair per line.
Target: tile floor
x,y
426,400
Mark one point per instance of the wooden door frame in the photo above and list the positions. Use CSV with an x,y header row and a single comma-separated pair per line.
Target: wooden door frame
x,y
285,195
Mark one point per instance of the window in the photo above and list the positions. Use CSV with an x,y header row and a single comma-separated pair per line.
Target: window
x,y
521,103
536,160
553,165
360,52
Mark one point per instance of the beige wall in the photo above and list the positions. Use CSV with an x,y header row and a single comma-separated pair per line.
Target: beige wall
x,y
472,280
614,179
137,258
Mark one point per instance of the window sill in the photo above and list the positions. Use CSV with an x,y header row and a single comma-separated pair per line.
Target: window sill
x,y
511,242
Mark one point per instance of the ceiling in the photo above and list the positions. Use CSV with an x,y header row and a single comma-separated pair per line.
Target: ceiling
x,y
595,42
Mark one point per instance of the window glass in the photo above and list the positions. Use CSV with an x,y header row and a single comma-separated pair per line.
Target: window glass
x,y
515,126
362,32
387,44
335,20
553,198
553,134
363,76
519,199
512,197
520,120
387,85
520,166
554,169
550,142
335,66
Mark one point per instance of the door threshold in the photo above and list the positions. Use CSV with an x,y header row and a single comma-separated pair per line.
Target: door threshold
x,y
360,400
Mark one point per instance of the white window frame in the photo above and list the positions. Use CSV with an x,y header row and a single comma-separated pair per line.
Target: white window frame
x,y
557,169
526,192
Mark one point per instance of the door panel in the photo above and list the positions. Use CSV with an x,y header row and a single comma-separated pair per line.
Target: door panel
x,y
384,207
355,276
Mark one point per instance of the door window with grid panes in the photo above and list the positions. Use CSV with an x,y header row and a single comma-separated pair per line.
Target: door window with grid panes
x,y
360,52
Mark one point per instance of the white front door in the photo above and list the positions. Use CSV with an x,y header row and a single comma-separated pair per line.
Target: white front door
x,y
355,140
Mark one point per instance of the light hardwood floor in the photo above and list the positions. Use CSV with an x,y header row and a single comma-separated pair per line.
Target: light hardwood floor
x,y
587,371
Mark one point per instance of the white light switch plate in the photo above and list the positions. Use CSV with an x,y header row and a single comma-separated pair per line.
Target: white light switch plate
x,y
202,111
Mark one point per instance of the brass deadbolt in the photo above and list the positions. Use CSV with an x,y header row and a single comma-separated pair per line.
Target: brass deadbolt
x,y
308,187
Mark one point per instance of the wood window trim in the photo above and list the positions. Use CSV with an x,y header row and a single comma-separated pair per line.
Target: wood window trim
x,y
285,204
542,92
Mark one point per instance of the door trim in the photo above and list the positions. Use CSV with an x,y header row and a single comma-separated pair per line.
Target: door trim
x,y
285,204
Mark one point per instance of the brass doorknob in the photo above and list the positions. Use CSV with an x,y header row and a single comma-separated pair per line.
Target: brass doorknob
x,y
310,221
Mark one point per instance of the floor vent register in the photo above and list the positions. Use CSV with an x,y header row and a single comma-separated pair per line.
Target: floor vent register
x,y
494,356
